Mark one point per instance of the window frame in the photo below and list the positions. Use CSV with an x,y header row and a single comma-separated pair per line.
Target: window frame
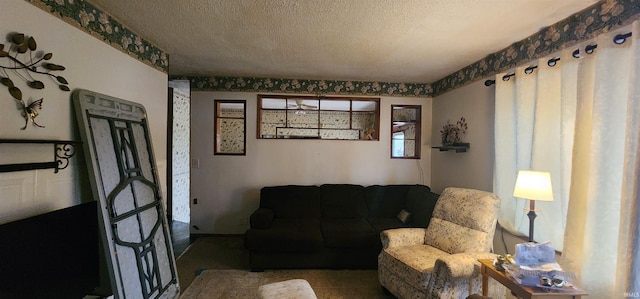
x,y
217,127
417,123
319,125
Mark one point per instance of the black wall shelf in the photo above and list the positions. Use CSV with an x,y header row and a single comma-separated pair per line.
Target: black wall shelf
x,y
458,147
62,152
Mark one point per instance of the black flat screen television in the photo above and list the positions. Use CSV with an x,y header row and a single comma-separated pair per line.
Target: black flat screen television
x,y
53,255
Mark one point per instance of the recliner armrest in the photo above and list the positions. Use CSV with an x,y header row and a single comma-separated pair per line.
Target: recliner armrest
x,y
402,237
461,265
261,218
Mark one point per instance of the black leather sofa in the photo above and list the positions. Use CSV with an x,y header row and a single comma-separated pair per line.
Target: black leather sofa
x,y
333,226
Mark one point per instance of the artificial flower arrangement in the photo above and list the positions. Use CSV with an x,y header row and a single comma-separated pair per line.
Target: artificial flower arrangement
x,y
453,133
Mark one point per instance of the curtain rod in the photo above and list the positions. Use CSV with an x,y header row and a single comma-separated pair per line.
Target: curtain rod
x,y
589,49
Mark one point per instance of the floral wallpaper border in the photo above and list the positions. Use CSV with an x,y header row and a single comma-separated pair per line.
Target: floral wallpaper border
x,y
324,87
601,17
100,24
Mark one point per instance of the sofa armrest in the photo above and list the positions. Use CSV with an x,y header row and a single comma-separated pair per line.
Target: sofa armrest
x,y
461,265
402,237
261,218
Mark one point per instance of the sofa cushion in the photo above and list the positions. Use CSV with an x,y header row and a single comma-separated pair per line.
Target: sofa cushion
x,y
464,220
261,218
343,201
291,201
454,238
286,235
386,201
412,264
420,203
348,233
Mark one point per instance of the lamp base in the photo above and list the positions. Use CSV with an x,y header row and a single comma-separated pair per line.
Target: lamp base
x,y
532,215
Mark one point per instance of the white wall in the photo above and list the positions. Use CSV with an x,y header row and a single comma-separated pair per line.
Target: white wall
x,y
473,169
227,187
90,64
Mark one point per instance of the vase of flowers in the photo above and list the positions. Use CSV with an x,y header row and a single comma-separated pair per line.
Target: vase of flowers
x,y
453,133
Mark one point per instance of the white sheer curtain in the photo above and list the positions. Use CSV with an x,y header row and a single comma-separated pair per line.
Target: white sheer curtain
x,y
534,121
579,120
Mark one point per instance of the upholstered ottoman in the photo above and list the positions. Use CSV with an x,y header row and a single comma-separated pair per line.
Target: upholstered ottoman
x,y
293,289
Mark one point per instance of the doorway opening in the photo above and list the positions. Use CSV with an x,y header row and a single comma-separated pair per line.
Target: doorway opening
x,y
178,167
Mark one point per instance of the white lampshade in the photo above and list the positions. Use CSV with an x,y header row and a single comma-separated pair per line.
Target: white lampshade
x,y
533,185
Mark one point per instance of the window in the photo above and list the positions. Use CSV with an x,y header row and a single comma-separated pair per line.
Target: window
x,y
308,117
230,127
405,131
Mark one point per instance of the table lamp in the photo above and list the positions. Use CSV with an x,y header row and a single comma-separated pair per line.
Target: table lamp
x,y
533,185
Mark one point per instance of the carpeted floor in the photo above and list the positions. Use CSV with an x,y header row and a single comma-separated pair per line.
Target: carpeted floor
x,y
218,267
219,252
325,283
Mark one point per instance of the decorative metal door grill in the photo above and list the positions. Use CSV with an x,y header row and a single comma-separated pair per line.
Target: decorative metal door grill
x,y
125,179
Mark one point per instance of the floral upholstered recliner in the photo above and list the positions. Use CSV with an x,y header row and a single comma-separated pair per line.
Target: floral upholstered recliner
x,y
441,261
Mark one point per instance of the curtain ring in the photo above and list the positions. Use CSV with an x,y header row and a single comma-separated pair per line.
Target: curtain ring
x,y
590,48
621,38
576,53
553,61
530,69
507,77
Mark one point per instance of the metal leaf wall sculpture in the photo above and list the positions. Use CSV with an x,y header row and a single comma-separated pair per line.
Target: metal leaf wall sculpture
x,y
22,61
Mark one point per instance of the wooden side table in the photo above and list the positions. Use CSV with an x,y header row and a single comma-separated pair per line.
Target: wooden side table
x,y
521,291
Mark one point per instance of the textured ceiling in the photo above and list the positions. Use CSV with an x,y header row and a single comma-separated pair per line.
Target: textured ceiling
x,y
410,41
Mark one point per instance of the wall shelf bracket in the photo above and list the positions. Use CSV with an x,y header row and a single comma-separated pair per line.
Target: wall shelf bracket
x,y
62,152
